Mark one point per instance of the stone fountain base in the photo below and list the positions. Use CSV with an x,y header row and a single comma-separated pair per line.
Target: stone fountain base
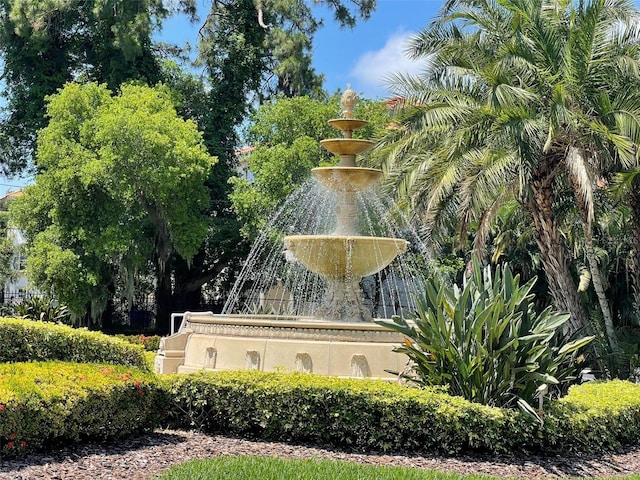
x,y
207,341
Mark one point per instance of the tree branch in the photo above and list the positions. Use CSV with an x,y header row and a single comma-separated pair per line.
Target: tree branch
x,y
260,15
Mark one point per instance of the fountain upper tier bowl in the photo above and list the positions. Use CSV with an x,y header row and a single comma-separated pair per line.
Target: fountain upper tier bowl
x,y
339,256
346,179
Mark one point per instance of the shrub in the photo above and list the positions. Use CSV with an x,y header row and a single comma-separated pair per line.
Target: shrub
x,y
374,415
7,310
595,416
151,343
43,309
363,414
47,404
25,340
486,342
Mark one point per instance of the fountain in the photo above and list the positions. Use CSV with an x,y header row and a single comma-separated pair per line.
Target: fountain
x,y
339,338
344,257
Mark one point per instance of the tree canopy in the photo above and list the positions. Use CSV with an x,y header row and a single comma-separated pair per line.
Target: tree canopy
x,y
48,43
248,50
121,186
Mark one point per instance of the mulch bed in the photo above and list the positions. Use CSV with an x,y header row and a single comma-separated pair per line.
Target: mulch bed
x,y
144,457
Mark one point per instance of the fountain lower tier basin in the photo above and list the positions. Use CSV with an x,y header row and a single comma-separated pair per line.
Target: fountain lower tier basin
x,y
206,341
341,256
346,179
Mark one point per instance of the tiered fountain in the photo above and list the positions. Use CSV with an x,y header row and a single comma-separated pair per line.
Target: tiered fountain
x,y
344,256
340,339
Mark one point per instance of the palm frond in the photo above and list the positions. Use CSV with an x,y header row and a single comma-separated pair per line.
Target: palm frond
x,y
509,96
580,173
625,181
511,84
484,223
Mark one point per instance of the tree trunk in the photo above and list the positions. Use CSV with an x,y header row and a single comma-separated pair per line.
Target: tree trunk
x,y
594,270
586,216
164,300
596,280
553,251
633,199
162,254
109,311
187,297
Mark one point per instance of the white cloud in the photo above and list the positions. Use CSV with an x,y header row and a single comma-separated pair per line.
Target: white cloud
x,y
373,68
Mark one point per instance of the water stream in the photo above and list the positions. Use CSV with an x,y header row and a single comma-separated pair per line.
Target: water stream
x,y
272,282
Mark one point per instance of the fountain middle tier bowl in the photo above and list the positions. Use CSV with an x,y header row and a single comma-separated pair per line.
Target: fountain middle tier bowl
x,y
347,124
346,179
341,256
346,146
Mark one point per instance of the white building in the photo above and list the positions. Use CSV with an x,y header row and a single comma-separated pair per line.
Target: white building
x,y
17,287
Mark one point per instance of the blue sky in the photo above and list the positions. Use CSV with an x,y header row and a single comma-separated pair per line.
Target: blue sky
x,y
367,54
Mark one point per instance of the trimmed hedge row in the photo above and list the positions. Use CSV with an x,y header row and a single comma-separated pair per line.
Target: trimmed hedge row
x,y
28,340
378,416
47,404
367,415
595,416
44,404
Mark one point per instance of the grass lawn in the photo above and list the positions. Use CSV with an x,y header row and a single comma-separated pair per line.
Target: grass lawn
x,y
269,468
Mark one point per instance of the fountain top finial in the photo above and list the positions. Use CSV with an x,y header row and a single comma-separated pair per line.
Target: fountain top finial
x,y
348,101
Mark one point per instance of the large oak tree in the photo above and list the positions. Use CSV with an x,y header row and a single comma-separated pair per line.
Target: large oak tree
x,y
248,50
44,44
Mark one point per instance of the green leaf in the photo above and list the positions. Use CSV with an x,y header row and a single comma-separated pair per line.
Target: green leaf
x,y
575,345
528,409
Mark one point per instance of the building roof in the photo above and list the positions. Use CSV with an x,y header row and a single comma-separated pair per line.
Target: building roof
x,y
8,195
241,152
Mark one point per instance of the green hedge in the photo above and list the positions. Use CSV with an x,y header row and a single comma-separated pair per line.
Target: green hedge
x,y
150,343
367,415
27,340
378,416
50,403
46,404
595,416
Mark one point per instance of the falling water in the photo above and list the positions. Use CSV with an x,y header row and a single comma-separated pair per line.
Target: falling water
x,y
271,282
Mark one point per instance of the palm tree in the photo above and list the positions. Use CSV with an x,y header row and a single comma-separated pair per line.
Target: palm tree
x,y
519,98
